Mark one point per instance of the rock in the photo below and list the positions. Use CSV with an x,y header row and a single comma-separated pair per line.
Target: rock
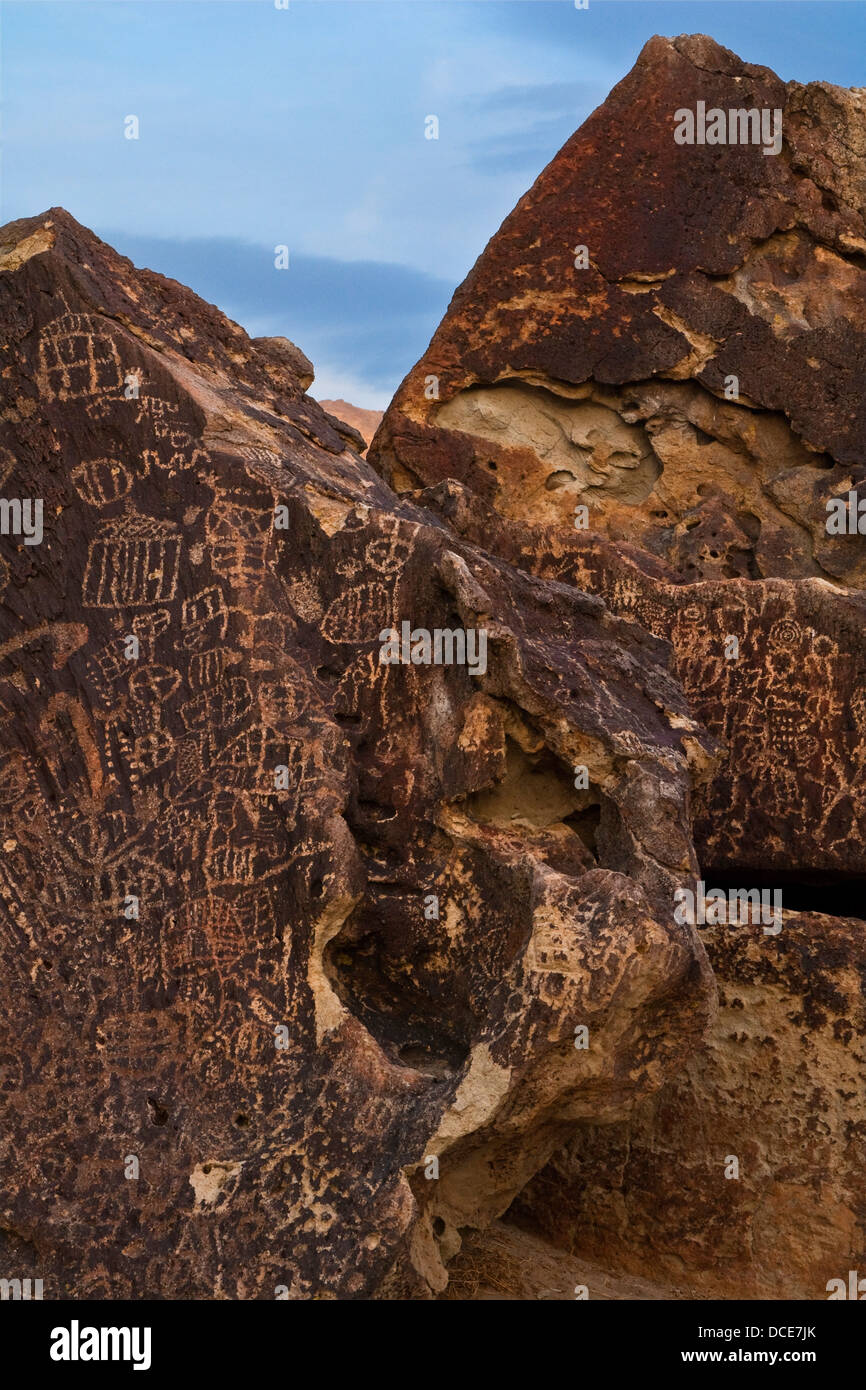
x,y
548,386
648,387
285,926
360,423
284,351
604,389
745,1175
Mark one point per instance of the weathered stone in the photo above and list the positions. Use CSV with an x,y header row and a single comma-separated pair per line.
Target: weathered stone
x,y
360,424
662,420
744,1177
281,922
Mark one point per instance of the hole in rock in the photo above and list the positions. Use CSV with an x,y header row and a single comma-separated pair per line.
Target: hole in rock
x,y
422,1058
395,986
438,1226
835,895
158,1113
535,791
559,479
702,437
586,824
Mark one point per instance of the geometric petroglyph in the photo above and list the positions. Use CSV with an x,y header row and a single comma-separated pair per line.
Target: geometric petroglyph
x,y
77,359
785,633
148,626
133,563
359,615
238,538
101,481
203,933
152,750
204,619
136,1043
240,763
206,669
786,730
153,685
858,710
178,448
220,708
238,851
388,553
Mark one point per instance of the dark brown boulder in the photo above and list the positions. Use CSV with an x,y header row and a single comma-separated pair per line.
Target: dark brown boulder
x,y
284,928
591,404
650,387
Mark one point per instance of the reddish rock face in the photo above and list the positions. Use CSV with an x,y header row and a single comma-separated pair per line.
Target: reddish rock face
x,y
345,808
694,397
649,387
288,929
363,423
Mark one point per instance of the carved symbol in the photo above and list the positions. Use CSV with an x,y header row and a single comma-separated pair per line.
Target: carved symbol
x,y
133,564
76,358
101,481
207,668
153,686
204,619
220,708
359,614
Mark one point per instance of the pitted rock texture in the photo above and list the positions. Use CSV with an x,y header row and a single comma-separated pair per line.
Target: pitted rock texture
x,y
281,924
779,1087
665,428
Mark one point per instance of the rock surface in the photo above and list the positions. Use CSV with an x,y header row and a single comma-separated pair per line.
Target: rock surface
x,y
606,385
365,422
779,1087
280,924
605,388
649,387
300,946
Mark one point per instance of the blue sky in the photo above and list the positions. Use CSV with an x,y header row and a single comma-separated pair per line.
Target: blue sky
x,y
305,127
